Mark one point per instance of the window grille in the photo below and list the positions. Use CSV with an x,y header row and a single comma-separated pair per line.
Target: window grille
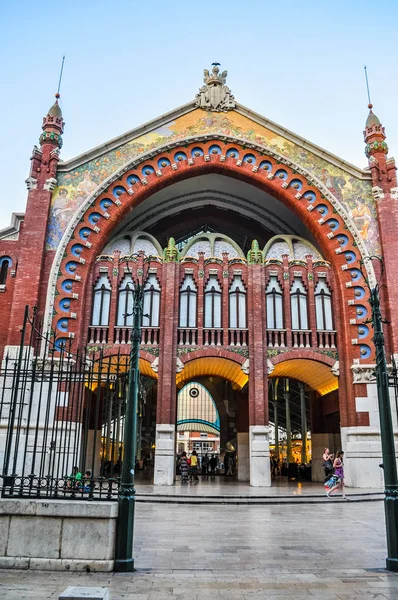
x,y
152,301
125,302
323,306
212,302
101,303
237,304
298,299
274,296
188,300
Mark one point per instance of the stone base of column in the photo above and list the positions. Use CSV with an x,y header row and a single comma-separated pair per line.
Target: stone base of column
x,y
362,457
243,457
260,470
165,455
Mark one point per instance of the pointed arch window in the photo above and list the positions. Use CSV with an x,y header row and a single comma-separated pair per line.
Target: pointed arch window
x,y
188,300
101,303
125,302
237,304
212,302
274,296
298,300
5,263
323,306
151,302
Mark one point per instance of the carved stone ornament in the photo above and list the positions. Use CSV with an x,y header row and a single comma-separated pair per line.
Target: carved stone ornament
x,y
363,373
377,192
394,193
179,365
270,366
31,183
336,369
50,184
245,367
215,95
170,254
155,365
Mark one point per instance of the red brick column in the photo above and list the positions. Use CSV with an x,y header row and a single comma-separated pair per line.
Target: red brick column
x,y
33,236
287,312
258,380
311,301
166,404
387,213
201,284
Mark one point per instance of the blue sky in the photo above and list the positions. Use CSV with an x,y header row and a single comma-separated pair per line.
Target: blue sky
x,y
299,64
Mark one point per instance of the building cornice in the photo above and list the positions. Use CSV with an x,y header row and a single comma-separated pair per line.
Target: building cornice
x,y
11,233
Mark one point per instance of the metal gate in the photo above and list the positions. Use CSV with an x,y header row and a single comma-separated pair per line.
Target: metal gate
x,y
61,419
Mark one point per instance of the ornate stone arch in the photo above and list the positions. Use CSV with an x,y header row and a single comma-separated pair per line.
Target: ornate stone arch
x,y
92,224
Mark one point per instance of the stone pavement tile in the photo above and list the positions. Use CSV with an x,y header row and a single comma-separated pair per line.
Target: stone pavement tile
x,y
364,595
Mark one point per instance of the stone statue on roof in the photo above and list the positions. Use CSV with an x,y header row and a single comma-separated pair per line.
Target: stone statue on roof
x,y
215,95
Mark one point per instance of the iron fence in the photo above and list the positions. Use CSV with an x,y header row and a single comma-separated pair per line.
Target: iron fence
x,y
62,417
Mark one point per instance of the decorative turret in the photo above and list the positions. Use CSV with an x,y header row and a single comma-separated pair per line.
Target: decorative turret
x,y
53,125
374,135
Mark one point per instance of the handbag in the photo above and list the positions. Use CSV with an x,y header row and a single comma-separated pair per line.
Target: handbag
x,y
331,482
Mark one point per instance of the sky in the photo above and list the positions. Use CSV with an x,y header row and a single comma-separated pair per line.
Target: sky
x,y
299,64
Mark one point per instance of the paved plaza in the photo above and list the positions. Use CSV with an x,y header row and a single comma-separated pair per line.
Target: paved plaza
x,y
324,551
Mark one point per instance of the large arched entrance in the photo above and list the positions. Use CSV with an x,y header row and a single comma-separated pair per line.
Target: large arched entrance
x,y
142,190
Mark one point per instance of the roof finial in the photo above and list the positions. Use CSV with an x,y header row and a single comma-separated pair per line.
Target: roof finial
x,y
57,95
370,105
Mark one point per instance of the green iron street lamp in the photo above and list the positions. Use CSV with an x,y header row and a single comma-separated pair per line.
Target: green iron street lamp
x,y
386,428
124,561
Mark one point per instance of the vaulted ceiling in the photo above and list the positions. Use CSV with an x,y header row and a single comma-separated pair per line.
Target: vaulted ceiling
x,y
216,203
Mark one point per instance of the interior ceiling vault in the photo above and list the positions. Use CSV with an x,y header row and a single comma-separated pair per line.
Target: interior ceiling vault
x,y
223,198
217,367
315,374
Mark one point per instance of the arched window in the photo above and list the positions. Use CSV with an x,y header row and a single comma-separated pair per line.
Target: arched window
x,y
323,306
125,302
151,302
101,304
5,263
212,302
298,299
274,304
237,304
188,296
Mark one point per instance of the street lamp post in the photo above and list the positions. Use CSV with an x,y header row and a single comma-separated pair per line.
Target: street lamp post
x,y
387,435
124,561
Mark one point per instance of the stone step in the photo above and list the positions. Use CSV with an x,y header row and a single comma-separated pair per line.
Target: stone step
x,y
166,499
84,593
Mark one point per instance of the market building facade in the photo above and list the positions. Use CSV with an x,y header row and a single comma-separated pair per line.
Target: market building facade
x,y
249,242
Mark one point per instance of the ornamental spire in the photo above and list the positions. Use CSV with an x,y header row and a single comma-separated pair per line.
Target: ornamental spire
x,y
53,125
374,134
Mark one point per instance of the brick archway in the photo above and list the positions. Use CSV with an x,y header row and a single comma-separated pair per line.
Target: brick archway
x,y
322,213
213,361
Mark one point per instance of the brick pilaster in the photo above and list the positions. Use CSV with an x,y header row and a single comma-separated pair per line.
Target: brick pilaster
x,y
258,379
166,404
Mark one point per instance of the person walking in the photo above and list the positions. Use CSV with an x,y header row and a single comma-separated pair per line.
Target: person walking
x,y
184,467
229,465
327,463
338,467
213,465
205,465
194,466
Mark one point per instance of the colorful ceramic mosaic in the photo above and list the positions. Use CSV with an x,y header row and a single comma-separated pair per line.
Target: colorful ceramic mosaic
x,y
76,185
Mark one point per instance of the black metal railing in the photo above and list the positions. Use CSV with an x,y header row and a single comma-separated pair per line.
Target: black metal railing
x,y
61,419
